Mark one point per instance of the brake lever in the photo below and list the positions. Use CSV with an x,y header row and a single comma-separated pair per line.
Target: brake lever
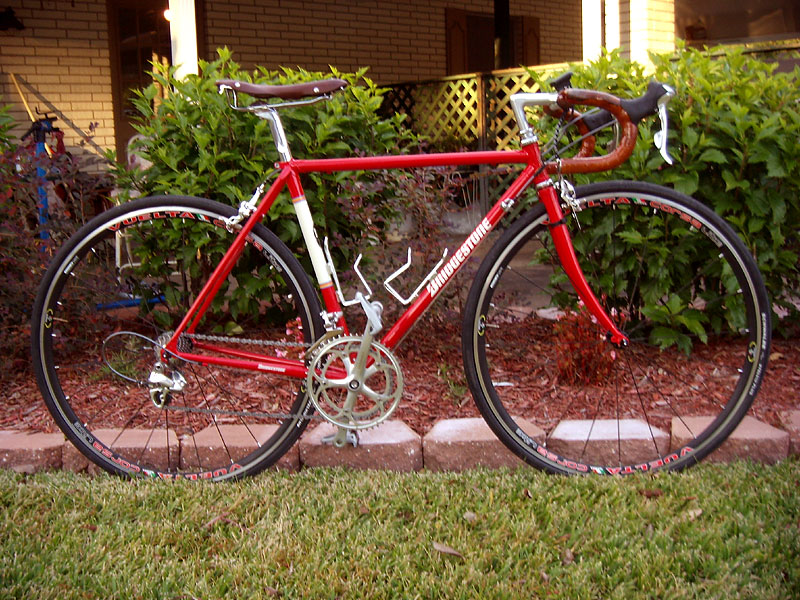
x,y
660,138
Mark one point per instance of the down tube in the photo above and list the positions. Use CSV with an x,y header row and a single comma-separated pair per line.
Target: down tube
x,y
449,270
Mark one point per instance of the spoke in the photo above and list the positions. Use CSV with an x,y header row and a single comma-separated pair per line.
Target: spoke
x,y
642,403
547,290
166,441
638,278
517,314
92,298
591,427
633,256
198,382
225,396
617,415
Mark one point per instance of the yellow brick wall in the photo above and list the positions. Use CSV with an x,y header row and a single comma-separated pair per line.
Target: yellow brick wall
x,y
398,41
643,25
662,25
63,54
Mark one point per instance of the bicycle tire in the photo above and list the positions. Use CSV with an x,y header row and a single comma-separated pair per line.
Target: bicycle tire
x,y
675,277
126,278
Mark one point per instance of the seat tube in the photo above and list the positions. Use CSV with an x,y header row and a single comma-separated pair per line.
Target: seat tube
x,y
569,259
315,253
304,217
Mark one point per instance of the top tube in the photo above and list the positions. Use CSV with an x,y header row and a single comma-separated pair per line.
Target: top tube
x,y
410,161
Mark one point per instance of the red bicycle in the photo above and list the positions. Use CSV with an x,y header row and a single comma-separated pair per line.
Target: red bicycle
x,y
150,365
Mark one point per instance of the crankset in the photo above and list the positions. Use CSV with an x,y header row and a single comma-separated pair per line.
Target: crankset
x,y
349,396
354,381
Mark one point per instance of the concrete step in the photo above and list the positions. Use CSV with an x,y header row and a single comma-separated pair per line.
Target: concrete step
x,y
206,447
190,452
161,451
460,444
791,423
451,445
30,452
607,441
751,440
391,446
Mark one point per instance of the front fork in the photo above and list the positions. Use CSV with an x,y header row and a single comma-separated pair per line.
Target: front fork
x,y
569,260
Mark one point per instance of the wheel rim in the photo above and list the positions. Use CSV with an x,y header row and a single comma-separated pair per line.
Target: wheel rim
x,y
225,422
568,399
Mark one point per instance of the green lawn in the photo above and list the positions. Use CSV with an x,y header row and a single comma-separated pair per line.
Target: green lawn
x,y
712,532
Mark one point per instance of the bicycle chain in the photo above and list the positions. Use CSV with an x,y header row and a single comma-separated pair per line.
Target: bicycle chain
x,y
237,340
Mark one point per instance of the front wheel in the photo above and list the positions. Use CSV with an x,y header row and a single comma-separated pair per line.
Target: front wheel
x,y
674,277
109,301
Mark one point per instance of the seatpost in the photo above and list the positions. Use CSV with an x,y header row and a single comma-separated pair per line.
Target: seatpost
x,y
275,125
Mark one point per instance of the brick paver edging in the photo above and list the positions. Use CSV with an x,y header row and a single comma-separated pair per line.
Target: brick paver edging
x,y
451,445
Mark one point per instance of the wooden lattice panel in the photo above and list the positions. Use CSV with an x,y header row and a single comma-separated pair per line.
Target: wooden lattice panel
x,y
449,112
473,111
399,99
502,126
482,186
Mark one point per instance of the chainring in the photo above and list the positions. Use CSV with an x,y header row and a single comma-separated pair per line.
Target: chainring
x,y
343,398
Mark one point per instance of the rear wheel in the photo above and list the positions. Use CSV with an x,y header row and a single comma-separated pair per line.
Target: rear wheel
x,y
675,278
109,301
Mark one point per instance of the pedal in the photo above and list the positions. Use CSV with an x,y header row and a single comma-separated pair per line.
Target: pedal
x,y
341,438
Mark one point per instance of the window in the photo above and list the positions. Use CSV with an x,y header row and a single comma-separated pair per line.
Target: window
x,y
470,41
140,35
710,22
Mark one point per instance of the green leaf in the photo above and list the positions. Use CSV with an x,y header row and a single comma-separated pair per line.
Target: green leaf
x,y
632,237
689,137
732,182
713,155
779,209
664,337
232,328
687,183
693,321
775,166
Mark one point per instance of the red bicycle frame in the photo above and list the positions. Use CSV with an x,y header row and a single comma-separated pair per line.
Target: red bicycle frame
x,y
534,172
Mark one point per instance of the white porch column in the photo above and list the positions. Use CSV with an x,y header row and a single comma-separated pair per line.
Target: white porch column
x,y
592,17
613,34
652,27
183,33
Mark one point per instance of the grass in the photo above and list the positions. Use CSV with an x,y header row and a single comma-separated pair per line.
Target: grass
x,y
712,532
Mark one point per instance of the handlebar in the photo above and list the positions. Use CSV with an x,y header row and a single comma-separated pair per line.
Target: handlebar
x,y
627,112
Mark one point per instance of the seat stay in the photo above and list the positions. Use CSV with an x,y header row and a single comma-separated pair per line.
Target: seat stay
x,y
204,299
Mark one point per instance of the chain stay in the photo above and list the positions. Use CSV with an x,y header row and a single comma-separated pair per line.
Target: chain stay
x,y
234,413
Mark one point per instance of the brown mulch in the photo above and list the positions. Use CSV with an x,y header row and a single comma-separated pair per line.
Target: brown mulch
x,y
435,386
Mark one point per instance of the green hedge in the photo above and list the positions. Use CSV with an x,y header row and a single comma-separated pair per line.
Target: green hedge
x,y
199,146
735,126
735,138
